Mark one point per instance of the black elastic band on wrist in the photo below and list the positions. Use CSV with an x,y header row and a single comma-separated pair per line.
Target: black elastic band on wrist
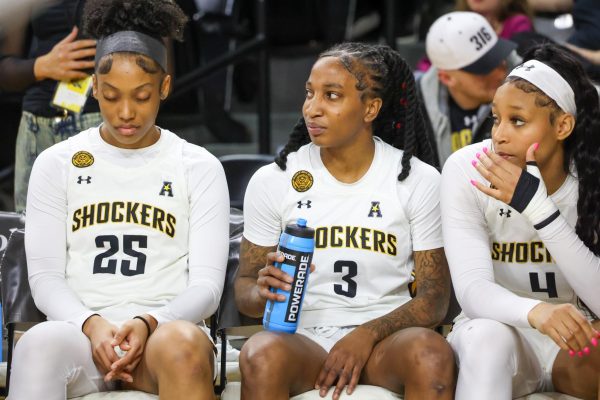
x,y
87,319
145,323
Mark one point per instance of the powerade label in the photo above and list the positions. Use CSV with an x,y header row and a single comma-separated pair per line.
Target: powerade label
x,y
301,262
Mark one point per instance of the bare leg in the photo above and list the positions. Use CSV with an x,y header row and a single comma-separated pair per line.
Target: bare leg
x,y
418,359
276,366
178,363
578,376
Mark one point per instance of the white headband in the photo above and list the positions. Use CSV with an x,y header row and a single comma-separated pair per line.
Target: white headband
x,y
548,81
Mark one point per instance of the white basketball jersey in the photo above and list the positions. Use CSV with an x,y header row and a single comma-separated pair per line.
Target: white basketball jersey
x,y
363,239
521,262
127,228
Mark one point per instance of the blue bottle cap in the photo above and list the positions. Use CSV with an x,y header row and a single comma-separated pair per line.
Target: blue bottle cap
x,y
301,222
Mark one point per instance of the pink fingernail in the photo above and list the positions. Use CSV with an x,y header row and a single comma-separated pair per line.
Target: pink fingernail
x,y
571,353
580,354
594,341
586,350
485,150
478,155
535,146
474,183
474,163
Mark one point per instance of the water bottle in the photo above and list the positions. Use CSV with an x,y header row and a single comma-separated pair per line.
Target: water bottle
x,y
297,245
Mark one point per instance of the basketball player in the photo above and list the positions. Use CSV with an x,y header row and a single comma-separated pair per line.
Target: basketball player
x,y
523,244
375,210
127,233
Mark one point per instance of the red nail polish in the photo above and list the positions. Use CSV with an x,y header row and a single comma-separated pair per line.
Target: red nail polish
x,y
474,183
535,146
586,350
474,163
580,354
594,341
478,155
571,353
485,150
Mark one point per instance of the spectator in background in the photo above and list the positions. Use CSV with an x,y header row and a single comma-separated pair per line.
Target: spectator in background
x,y
56,54
469,64
507,17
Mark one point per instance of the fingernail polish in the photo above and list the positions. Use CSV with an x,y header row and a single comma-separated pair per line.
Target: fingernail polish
x,y
535,146
478,155
580,354
586,350
474,163
571,353
474,183
485,150
594,341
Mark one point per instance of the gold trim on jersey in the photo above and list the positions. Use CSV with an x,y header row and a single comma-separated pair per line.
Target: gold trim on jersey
x,y
82,159
124,212
355,237
521,252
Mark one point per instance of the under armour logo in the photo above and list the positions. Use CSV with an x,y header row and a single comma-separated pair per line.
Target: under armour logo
x,y
526,67
305,204
375,210
81,179
167,189
507,212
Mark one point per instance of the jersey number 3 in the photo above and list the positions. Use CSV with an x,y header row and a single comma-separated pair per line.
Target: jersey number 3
x,y
351,269
113,248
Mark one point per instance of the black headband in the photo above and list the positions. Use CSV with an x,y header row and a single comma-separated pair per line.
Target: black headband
x,y
134,42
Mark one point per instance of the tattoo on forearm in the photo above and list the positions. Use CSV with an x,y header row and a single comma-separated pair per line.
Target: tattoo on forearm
x,y
431,302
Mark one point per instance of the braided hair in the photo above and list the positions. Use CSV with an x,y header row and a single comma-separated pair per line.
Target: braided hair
x,y
380,72
582,146
156,18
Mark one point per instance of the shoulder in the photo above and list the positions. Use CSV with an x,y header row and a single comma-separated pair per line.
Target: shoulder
x,y
64,152
461,159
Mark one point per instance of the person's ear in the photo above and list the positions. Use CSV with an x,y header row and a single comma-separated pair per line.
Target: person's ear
x,y
446,78
565,123
372,109
165,87
94,86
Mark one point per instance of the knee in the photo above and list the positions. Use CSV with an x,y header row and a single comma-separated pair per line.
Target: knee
x,y
431,355
51,340
183,344
263,354
484,339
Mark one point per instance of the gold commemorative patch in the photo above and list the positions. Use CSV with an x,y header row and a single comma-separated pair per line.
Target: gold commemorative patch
x,y
82,159
302,181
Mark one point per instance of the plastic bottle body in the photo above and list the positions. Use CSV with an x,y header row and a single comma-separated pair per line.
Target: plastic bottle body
x,y
298,251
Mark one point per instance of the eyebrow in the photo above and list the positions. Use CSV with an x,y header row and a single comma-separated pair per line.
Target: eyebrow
x,y
328,85
494,105
115,88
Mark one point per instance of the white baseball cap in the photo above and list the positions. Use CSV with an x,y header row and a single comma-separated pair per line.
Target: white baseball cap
x,y
466,41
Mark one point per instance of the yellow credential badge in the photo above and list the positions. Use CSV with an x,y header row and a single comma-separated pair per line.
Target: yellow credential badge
x,y
302,181
72,95
82,159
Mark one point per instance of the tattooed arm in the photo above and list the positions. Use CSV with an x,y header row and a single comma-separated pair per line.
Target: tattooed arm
x,y
429,306
255,265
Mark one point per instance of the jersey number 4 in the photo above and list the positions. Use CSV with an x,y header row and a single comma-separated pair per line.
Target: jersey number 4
x,y
550,284
113,248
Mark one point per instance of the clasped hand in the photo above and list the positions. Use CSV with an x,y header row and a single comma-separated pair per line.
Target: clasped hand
x,y
131,338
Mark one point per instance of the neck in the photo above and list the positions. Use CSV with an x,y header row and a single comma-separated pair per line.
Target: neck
x,y
351,162
553,174
463,101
